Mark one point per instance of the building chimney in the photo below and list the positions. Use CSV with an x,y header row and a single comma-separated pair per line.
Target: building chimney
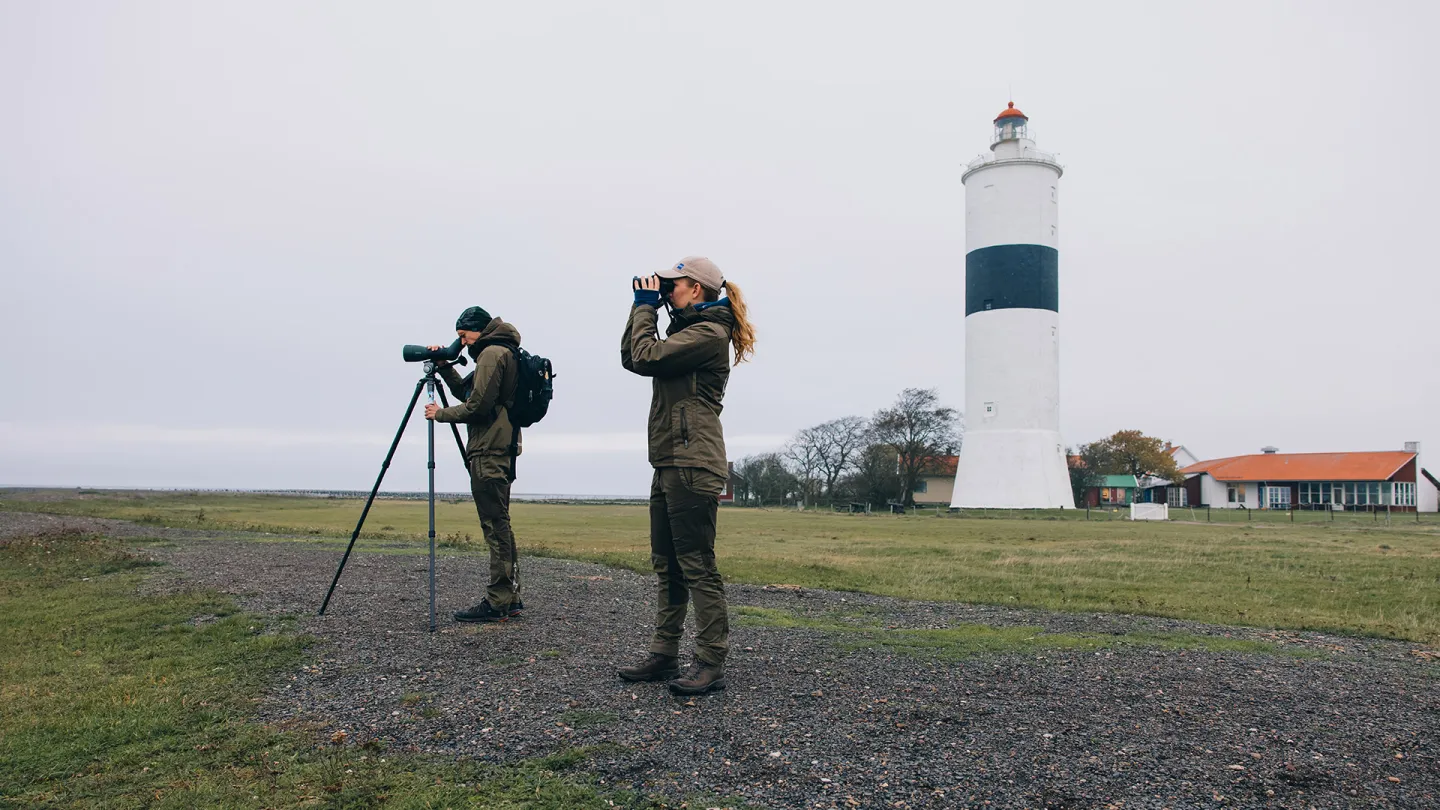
x,y
1412,447
1269,451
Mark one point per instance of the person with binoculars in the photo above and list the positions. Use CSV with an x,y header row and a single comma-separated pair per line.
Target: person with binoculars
x,y
490,452
689,369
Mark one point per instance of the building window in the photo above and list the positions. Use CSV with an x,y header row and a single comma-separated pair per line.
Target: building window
x,y
1177,497
922,486
1277,498
1235,493
1404,493
1315,493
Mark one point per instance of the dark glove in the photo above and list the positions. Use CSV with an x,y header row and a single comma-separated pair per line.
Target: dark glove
x,y
643,297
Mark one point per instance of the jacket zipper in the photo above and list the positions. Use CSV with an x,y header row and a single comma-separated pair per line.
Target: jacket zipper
x,y
684,428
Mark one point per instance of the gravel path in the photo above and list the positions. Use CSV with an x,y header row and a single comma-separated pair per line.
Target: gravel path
x,y
810,722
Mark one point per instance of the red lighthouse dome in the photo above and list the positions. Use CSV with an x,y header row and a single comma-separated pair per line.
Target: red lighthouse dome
x,y
1011,112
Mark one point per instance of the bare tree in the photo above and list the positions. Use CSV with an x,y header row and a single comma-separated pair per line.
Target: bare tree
x,y
764,479
840,442
920,431
802,456
873,477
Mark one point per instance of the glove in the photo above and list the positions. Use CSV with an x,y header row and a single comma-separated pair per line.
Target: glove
x,y
644,297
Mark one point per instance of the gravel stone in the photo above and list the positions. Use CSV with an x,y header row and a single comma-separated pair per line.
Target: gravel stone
x,y
806,721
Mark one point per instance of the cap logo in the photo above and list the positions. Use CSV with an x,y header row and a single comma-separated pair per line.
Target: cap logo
x,y
680,266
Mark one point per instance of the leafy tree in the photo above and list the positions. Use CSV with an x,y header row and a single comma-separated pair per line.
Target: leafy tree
x,y
1130,452
920,431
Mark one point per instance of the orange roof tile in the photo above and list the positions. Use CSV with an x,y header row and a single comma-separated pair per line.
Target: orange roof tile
x,y
941,465
1377,466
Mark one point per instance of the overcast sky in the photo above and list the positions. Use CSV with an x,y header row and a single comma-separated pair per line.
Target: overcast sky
x,y
220,221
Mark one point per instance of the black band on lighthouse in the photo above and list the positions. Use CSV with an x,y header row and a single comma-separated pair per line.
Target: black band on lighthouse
x,y
1012,277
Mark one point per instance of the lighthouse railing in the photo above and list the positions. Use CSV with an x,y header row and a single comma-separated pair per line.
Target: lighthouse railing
x,y
1028,154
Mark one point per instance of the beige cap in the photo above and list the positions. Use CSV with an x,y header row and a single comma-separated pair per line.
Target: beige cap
x,y
696,268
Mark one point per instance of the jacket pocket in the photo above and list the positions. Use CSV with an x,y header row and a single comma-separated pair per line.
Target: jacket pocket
x,y
684,428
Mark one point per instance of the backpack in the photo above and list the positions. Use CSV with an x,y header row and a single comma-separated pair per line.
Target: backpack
x,y
534,385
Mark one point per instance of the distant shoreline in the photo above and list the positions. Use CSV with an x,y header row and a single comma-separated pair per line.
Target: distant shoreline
x,y
336,493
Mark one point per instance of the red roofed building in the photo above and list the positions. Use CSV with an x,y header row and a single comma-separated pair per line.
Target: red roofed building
x,y
937,485
1387,479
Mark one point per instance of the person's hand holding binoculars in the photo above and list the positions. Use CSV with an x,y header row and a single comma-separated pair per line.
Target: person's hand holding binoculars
x,y
647,290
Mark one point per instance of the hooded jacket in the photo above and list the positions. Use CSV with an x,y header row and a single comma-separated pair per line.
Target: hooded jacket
x,y
484,412
689,370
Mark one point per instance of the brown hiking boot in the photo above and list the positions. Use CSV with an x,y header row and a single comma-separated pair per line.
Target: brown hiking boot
x,y
699,679
656,667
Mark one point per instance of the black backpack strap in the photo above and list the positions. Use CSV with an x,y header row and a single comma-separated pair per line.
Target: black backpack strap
x,y
514,429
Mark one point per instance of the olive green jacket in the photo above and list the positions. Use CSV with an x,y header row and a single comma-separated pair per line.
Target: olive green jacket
x,y
484,412
689,370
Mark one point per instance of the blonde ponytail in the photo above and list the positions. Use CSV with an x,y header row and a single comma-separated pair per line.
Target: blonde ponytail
x,y
743,336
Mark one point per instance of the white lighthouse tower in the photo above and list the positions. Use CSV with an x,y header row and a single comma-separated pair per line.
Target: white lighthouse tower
x,y
1012,456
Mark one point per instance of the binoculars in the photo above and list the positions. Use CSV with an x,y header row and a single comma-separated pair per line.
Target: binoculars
x,y
448,354
667,286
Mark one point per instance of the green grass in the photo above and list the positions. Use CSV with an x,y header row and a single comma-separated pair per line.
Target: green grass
x,y
858,631
1358,577
114,700
588,718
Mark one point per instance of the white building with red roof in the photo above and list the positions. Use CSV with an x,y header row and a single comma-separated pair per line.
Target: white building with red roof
x,y
1382,480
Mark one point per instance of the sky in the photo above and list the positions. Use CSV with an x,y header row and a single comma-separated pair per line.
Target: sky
x,y
219,222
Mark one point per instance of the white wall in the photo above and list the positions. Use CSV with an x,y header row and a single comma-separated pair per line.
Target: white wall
x,y
1427,498
1213,492
1184,458
1012,204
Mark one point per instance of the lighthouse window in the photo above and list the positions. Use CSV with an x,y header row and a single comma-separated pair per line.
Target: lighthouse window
x,y
989,303
1053,194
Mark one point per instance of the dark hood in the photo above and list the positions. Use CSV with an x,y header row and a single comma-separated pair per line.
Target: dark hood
x,y
497,330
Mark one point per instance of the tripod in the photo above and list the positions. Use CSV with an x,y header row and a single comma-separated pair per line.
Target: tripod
x,y
426,383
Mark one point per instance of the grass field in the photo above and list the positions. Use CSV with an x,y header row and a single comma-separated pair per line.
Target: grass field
x,y
1359,577
129,701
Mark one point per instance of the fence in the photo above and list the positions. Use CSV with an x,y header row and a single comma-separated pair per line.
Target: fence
x,y
1198,514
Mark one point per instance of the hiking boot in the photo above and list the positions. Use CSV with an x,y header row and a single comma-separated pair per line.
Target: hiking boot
x,y
656,667
481,613
699,679
516,606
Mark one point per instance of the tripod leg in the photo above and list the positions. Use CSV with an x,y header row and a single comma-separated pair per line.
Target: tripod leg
x,y
431,465
454,428
415,397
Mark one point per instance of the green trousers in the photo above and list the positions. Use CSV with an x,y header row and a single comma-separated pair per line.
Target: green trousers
x,y
684,502
490,485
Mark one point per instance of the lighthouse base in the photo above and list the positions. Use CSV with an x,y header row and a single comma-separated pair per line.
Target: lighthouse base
x,y
1012,469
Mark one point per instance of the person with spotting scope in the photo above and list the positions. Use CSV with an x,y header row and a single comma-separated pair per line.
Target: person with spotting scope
x,y
491,450
689,369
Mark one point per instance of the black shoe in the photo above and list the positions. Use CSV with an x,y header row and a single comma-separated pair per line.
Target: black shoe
x,y
698,680
481,613
516,606
656,667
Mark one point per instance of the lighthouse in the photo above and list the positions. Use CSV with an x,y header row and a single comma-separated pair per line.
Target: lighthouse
x,y
1012,456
